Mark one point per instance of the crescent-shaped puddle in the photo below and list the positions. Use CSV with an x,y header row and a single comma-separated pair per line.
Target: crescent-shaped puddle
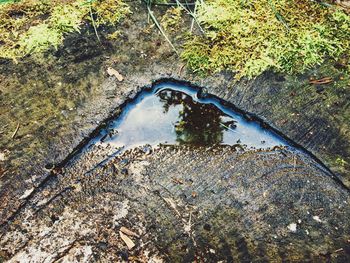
x,y
176,113
172,113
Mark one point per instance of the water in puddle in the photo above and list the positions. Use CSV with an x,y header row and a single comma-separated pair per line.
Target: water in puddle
x,y
174,114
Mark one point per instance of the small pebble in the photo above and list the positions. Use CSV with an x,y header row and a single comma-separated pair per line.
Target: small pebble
x,y
292,227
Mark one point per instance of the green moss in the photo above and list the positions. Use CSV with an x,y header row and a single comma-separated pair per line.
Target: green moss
x,y
39,38
250,37
67,18
172,19
35,26
109,12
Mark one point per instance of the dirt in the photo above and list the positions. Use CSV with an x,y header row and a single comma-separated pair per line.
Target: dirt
x,y
60,99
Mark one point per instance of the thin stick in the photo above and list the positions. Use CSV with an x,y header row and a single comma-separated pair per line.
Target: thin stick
x,y
195,10
191,14
173,4
15,132
160,29
225,126
149,3
93,23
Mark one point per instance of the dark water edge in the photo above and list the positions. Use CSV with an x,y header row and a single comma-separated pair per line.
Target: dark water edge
x,y
172,113
102,134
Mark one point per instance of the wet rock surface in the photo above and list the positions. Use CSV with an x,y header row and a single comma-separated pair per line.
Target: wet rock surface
x,y
184,204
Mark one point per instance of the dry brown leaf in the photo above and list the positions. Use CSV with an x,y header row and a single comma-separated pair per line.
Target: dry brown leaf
x,y
129,243
112,72
325,80
177,181
128,232
339,250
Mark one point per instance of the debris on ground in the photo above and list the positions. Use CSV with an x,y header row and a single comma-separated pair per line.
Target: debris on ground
x,y
128,232
112,72
129,243
321,81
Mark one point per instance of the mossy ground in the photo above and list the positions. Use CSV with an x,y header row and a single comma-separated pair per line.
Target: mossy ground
x,y
245,37
35,26
250,37
327,99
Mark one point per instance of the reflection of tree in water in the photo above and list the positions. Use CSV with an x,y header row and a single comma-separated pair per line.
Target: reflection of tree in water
x,y
198,123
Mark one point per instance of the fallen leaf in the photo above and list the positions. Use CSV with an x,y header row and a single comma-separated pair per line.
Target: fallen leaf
x,y
177,181
338,250
325,80
113,72
128,232
26,193
129,243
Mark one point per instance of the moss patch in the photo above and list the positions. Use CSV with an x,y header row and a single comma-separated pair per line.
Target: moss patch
x,y
250,37
172,19
35,26
246,37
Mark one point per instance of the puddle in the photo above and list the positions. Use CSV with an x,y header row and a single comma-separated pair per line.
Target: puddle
x,y
178,114
175,113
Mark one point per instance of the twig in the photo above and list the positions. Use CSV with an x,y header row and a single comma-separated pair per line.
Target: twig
x,y
160,29
191,14
225,126
2,174
93,23
172,204
15,132
181,68
148,3
325,80
194,11
339,250
173,4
